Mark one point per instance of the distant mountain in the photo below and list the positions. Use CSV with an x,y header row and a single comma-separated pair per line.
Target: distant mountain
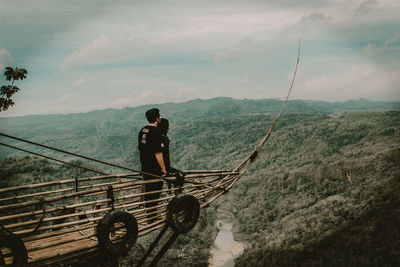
x,y
110,134
323,191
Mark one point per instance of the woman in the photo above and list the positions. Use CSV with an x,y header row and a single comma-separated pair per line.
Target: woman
x,y
163,125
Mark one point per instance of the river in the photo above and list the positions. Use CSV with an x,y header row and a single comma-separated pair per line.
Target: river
x,y
225,249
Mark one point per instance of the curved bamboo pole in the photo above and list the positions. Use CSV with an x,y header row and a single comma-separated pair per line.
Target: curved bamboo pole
x,y
205,185
248,159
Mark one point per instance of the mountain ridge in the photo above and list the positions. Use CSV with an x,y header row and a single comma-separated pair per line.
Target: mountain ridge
x,y
320,105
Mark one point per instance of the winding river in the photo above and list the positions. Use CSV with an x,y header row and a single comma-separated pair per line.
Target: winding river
x,y
225,249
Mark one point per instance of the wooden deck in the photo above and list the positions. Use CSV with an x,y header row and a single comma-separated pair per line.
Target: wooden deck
x,y
56,221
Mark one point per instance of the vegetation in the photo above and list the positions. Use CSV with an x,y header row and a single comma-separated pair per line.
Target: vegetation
x,y
7,91
323,191
322,196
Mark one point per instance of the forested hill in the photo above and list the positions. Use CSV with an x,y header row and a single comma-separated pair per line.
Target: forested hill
x,y
111,134
322,192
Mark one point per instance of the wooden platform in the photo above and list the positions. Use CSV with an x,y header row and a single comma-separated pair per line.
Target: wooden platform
x,y
56,221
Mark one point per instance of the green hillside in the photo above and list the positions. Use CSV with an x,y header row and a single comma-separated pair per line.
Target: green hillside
x,y
111,134
323,191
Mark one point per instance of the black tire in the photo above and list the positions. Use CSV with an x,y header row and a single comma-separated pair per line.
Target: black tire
x,y
104,228
17,248
190,207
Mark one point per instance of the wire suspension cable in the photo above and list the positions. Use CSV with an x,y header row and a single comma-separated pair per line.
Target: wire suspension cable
x,y
253,154
50,158
77,155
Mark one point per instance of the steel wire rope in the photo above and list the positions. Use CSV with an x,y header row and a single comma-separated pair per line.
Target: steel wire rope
x,y
77,155
50,158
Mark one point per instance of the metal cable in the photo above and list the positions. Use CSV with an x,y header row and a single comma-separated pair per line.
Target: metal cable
x,y
50,158
80,156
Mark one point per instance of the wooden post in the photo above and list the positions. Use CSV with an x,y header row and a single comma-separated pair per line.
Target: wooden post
x,y
76,188
121,192
110,195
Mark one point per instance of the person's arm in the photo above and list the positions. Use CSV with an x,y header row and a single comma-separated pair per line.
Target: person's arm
x,y
160,160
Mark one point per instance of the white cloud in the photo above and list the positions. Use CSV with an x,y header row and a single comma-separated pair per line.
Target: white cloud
x,y
100,50
314,19
157,51
357,81
130,38
5,59
385,54
235,52
392,40
366,7
82,81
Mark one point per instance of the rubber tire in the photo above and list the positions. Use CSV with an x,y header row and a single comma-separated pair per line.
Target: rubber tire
x,y
191,208
15,244
127,242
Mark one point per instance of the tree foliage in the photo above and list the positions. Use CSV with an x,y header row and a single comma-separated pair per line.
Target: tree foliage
x,y
321,192
7,91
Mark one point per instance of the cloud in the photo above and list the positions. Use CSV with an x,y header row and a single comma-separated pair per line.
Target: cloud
x,y
235,52
310,26
82,81
385,54
314,19
363,80
366,7
5,59
393,40
100,50
140,52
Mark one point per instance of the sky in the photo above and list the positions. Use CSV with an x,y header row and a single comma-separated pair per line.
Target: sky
x,y
93,55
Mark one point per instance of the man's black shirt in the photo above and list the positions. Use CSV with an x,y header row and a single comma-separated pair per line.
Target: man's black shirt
x,y
149,143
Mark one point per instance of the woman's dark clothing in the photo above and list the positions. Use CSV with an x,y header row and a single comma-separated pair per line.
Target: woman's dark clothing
x,y
165,152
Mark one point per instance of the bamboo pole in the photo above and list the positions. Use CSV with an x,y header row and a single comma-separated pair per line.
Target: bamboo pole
x,y
77,214
46,259
50,210
50,199
37,194
32,186
60,232
204,171
67,216
139,213
193,176
121,192
62,182
94,178
45,245
106,184
50,227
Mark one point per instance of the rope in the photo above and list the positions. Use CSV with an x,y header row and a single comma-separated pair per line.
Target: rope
x,y
76,155
42,203
50,158
253,154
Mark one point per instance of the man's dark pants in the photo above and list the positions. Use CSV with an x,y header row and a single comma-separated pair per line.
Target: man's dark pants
x,y
150,187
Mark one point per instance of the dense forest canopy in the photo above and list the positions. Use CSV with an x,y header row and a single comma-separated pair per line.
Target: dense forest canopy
x,y
323,190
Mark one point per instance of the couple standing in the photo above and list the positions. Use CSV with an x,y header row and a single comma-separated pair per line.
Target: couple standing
x,y
153,144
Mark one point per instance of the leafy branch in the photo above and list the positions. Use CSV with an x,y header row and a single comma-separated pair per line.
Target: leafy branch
x,y
7,91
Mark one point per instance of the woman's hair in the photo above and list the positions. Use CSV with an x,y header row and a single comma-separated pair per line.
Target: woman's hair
x,y
163,125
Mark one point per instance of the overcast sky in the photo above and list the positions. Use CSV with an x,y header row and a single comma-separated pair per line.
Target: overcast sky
x,y
86,55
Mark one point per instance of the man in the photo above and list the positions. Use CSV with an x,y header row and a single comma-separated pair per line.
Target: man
x,y
150,147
